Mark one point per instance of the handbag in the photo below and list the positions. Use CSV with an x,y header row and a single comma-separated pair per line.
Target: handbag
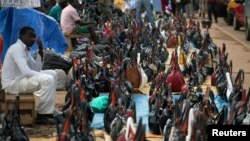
x,y
109,116
241,107
103,81
4,128
18,132
134,75
175,76
172,41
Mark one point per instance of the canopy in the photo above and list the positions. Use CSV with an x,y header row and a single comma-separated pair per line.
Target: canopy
x,y
20,3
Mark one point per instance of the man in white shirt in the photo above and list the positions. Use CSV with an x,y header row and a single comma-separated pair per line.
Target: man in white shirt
x,y
21,73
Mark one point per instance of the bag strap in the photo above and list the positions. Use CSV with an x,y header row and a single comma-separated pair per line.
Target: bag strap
x,y
15,112
174,61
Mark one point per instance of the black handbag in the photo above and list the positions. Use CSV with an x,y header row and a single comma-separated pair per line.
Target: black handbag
x,y
4,129
52,60
103,81
109,116
140,134
18,132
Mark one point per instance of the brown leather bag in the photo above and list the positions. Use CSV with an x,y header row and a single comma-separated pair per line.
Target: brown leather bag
x,y
134,76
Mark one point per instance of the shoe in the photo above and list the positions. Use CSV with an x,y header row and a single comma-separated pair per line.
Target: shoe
x,y
49,115
45,119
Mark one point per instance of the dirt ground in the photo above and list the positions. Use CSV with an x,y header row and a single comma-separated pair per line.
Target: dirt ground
x,y
46,131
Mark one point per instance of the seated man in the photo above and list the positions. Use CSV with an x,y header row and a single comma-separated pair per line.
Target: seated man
x,y
56,10
21,73
71,22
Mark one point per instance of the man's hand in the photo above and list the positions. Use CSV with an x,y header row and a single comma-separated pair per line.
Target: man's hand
x,y
40,47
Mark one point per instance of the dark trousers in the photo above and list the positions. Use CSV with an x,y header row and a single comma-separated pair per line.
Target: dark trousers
x,y
212,9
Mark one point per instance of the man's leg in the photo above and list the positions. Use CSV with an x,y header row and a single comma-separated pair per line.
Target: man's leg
x,y
43,86
149,11
215,12
209,11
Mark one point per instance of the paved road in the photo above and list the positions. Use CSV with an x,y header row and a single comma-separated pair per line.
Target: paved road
x,y
237,47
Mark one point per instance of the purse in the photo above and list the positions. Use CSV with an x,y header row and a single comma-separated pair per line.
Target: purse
x,y
109,116
175,76
3,128
134,75
172,41
241,107
18,132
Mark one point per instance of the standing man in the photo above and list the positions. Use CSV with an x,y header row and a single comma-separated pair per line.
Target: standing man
x,y
212,9
146,4
21,73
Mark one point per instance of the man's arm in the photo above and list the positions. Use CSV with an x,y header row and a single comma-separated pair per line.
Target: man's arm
x,y
20,59
35,64
80,22
38,63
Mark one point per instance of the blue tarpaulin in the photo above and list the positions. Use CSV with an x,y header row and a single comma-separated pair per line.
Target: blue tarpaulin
x,y
46,28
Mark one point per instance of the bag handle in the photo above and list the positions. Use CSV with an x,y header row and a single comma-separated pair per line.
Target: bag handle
x,y
15,113
174,61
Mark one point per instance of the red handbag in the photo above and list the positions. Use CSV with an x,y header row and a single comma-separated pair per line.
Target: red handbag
x,y
175,76
172,41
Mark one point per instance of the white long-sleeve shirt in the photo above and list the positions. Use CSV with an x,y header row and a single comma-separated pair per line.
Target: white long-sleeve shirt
x,y
19,63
